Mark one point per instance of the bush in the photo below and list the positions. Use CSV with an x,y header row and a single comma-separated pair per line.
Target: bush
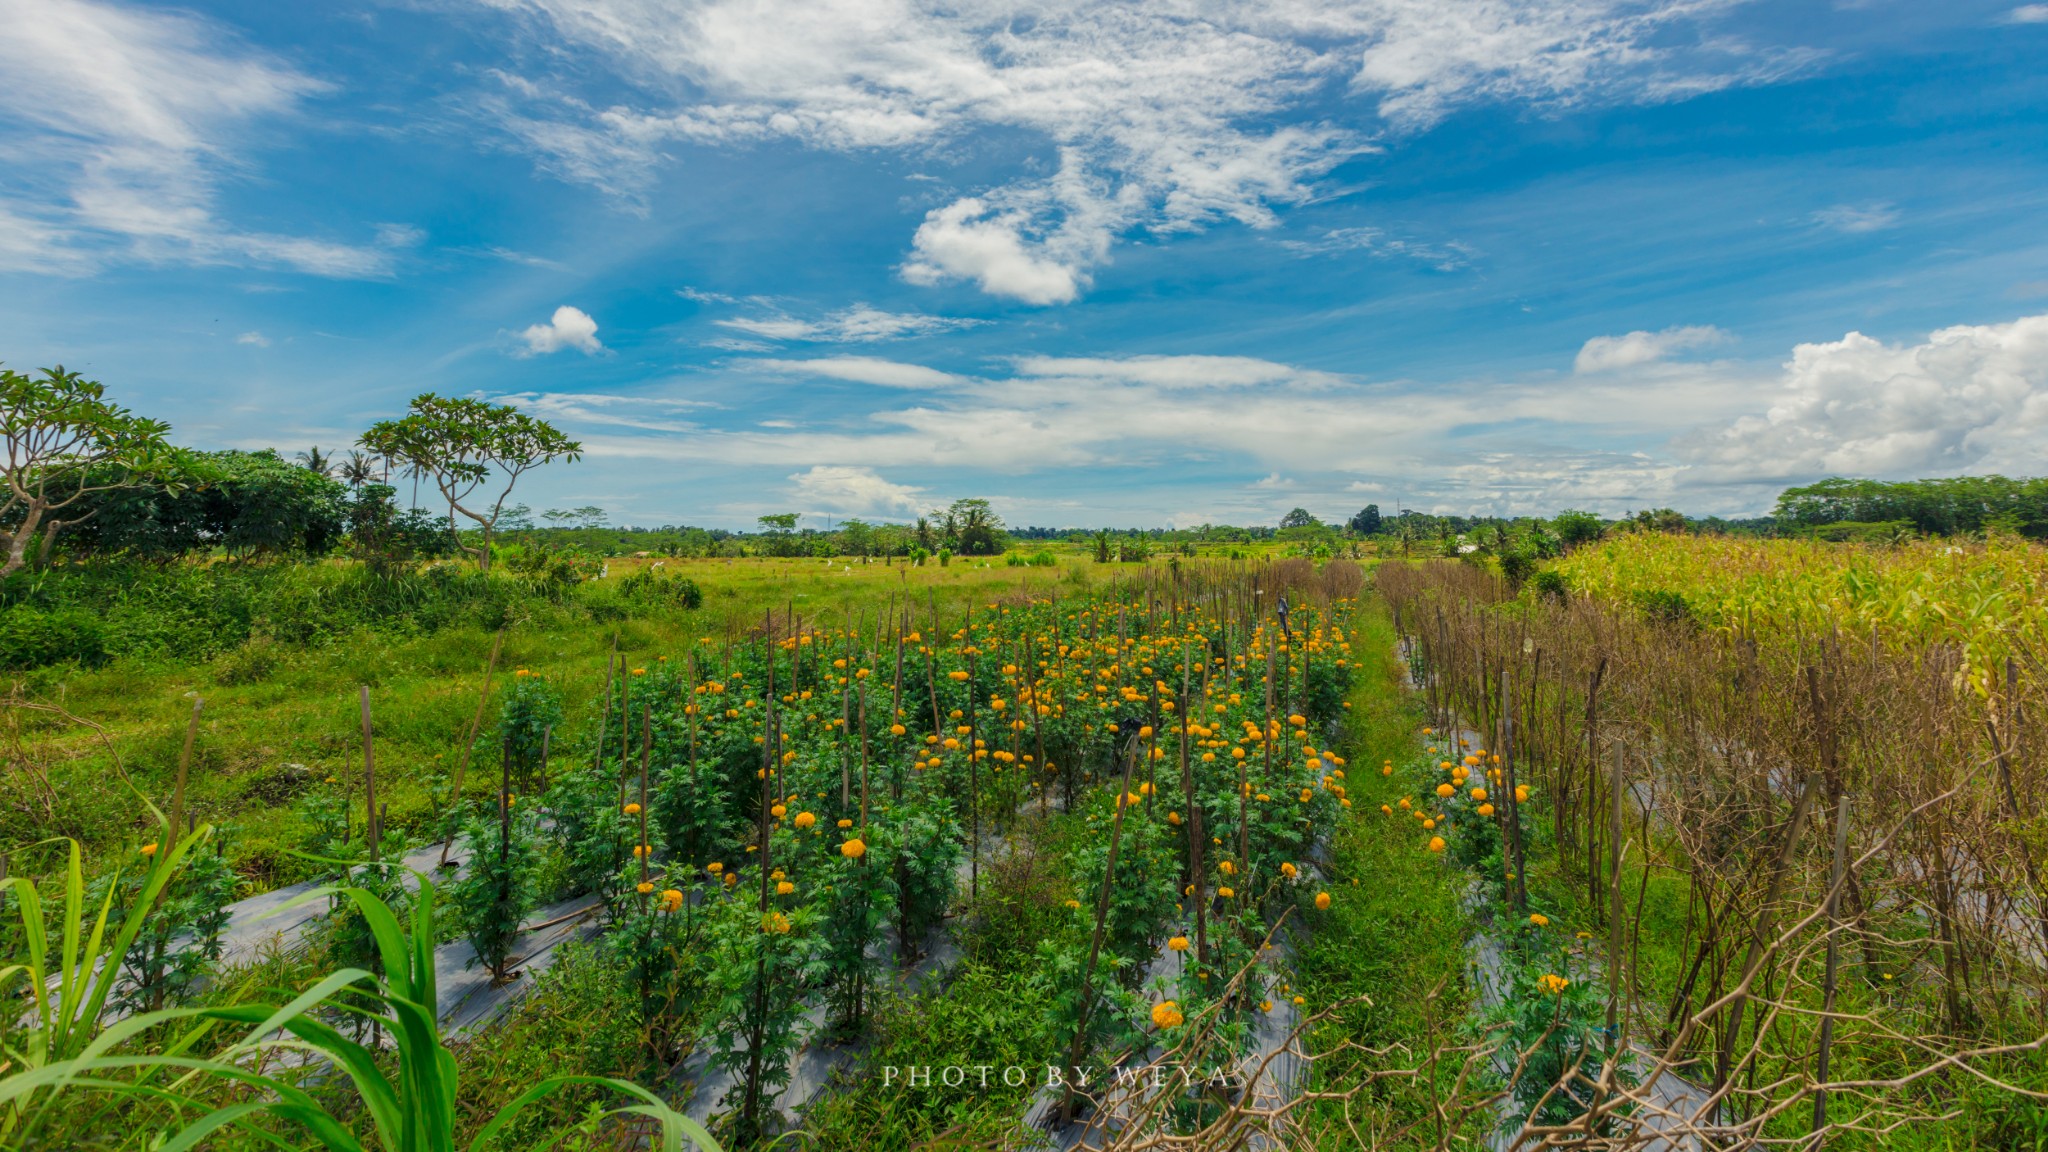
x,y
31,638
1662,606
1550,582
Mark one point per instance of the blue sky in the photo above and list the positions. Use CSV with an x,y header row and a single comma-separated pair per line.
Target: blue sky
x,y
1180,262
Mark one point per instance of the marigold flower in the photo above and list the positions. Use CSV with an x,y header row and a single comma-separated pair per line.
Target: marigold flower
x,y
640,850
1226,892
1178,944
1539,919
1289,871
1322,901
853,849
1166,1014
632,809
1445,790
671,900
714,867
149,849
784,888
804,820
846,823
1486,809
1479,793
1227,868
1436,843
643,887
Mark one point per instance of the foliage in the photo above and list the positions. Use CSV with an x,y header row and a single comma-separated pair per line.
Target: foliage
x,y
532,708
594,835
407,1100
758,961
1943,507
180,937
69,989
243,503
65,441
1984,598
496,889
858,897
457,442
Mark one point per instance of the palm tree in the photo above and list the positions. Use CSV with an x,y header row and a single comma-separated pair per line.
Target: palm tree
x,y
359,469
317,461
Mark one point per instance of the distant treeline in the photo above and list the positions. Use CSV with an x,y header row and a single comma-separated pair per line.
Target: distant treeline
x,y
1934,507
248,504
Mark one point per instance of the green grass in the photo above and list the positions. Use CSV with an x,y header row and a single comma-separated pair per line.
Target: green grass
x,y
281,719
1391,948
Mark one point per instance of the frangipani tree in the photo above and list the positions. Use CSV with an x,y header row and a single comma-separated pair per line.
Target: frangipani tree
x,y
460,443
65,440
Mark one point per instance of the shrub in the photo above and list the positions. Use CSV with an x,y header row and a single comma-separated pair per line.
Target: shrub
x,y
1662,605
31,638
496,890
1550,582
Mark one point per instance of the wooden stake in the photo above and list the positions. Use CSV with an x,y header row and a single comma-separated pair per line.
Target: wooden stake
x,y
376,828
475,723
1827,1007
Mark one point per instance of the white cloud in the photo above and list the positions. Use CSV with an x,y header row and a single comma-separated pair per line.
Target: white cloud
x,y
2029,14
1167,117
1177,372
1607,353
864,370
256,338
1971,397
1853,218
1443,257
121,123
643,413
569,328
859,324
855,492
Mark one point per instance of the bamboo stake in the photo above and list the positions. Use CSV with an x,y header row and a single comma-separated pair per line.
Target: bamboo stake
x,y
1116,829
1827,1007
475,723
376,827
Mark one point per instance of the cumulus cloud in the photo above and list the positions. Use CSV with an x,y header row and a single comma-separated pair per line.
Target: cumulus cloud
x,y
859,324
1853,218
569,328
863,370
1608,353
2029,14
1163,117
256,338
854,492
120,123
1971,397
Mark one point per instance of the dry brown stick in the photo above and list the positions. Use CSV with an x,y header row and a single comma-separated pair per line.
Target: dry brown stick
x,y
475,724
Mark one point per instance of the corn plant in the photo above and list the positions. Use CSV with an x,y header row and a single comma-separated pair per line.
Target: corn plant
x,y
71,988
406,1099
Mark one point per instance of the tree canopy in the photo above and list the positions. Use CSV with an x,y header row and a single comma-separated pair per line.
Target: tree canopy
x,y
65,441
457,442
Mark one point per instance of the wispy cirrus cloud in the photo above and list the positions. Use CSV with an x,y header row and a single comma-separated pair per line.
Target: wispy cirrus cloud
x,y
859,324
120,125
1853,218
1162,118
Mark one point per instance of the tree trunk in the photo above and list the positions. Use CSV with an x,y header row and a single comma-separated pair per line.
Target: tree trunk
x,y
17,544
